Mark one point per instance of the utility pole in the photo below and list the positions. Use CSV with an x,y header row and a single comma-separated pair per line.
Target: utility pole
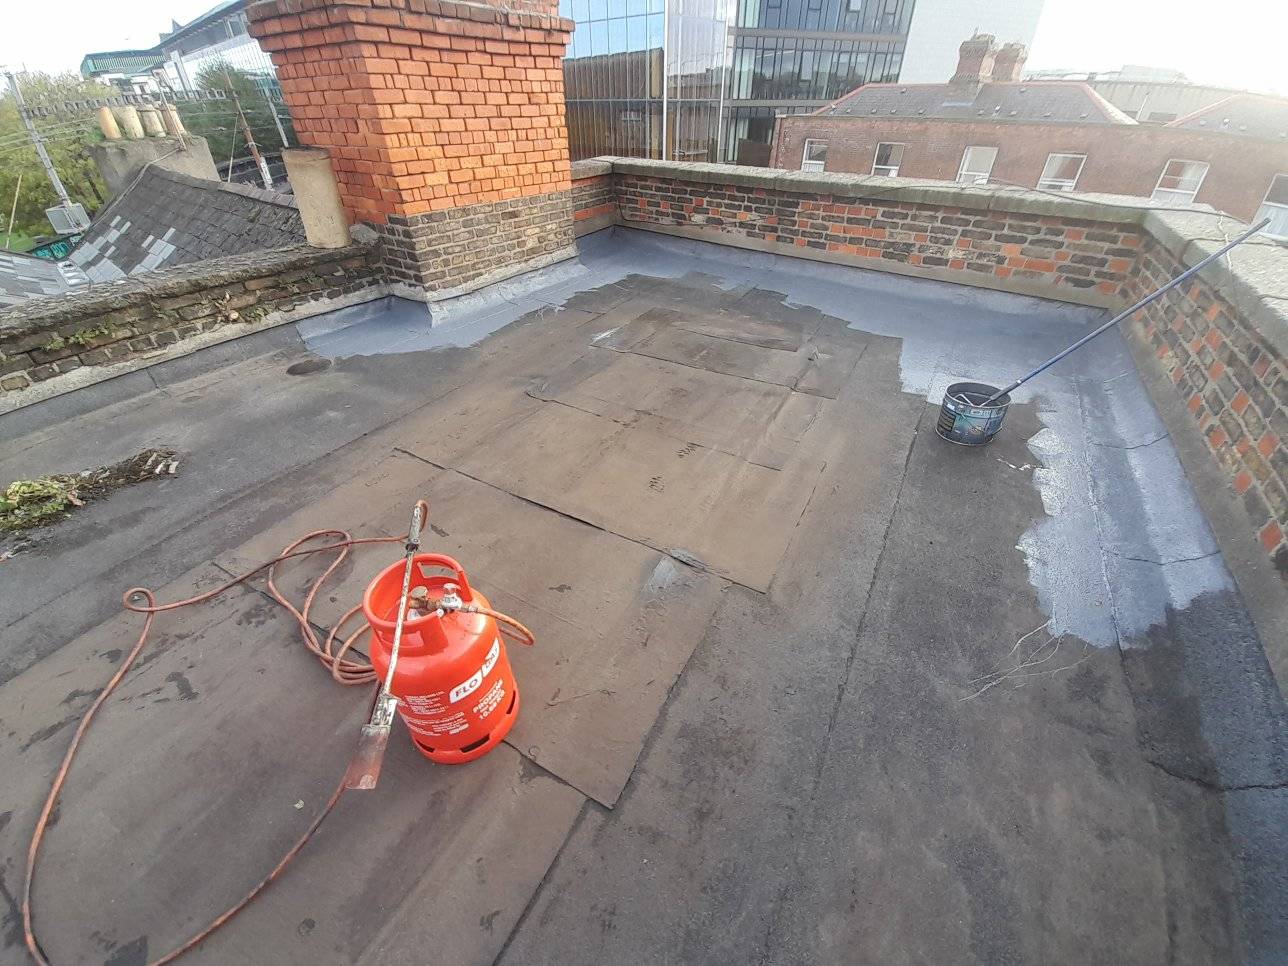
x,y
250,138
39,142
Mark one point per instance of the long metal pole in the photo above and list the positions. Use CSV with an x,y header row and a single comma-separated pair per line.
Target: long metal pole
x,y
250,138
39,142
272,109
1127,312
725,54
666,48
13,212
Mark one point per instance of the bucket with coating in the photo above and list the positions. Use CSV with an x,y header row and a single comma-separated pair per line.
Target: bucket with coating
x,y
963,416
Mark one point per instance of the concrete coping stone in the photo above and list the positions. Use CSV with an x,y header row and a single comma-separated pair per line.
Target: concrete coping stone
x,y
592,168
38,315
1253,277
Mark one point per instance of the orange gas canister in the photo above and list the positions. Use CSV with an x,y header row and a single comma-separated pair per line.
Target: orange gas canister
x,y
456,692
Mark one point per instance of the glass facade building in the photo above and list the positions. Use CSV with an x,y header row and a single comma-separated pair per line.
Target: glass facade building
x,y
644,77
702,80
216,38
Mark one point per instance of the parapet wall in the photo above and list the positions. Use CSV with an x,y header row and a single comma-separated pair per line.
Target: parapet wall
x,y
594,201
1220,342
53,345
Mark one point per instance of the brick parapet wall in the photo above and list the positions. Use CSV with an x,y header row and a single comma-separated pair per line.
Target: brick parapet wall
x,y
1070,249
1221,340
45,343
1222,343
1051,253
594,196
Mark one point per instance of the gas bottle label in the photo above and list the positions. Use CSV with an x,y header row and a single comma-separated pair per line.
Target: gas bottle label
x,y
435,727
487,704
471,684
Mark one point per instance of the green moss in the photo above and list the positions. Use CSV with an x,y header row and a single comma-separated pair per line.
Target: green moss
x,y
85,336
26,504
30,503
80,337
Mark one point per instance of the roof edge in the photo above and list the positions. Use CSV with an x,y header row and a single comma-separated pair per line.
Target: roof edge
x,y
1075,205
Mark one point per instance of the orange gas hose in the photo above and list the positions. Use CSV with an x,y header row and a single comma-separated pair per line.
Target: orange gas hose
x,y
343,669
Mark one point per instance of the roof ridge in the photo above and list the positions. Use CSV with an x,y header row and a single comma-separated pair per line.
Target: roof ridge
x,y
1112,113
265,195
1186,118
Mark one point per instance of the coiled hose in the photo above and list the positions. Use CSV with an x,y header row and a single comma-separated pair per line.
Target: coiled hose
x,y
332,652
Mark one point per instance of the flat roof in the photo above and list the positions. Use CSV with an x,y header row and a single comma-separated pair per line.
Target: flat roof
x,y
810,683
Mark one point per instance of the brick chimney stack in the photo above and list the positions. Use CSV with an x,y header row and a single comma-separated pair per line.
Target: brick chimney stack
x,y
975,60
445,126
1008,63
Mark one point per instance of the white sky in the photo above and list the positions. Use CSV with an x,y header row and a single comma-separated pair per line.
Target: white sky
x,y
1233,43
1237,43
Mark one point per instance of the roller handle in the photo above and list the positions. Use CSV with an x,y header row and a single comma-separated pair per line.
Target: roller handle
x,y
1127,312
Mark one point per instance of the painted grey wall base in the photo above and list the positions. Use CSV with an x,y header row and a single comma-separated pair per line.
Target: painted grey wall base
x,y
418,293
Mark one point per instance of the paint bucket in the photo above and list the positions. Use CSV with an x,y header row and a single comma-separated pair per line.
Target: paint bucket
x,y
963,416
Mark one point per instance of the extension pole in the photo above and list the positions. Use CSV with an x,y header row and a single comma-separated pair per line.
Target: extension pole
x,y
272,109
250,138
1127,312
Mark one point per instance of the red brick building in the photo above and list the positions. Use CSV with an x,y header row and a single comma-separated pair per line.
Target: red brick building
x,y
987,126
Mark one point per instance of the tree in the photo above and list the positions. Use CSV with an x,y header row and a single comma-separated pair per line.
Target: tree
x,y
67,138
217,121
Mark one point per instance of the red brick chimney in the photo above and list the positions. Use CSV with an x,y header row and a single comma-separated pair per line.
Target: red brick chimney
x,y
1008,63
445,125
975,60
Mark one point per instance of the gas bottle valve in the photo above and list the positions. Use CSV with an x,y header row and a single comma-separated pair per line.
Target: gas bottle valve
x,y
451,599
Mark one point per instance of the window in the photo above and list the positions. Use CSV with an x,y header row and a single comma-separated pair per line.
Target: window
x,y
977,165
814,157
1275,207
1180,181
1061,171
887,160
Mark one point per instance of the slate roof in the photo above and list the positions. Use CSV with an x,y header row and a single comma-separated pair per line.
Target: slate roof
x,y
25,276
171,219
1051,102
1241,114
164,219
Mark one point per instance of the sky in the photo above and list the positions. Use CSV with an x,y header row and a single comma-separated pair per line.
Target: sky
x,y
1235,43
1231,43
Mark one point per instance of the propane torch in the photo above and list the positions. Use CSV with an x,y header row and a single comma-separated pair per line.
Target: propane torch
x,y
364,768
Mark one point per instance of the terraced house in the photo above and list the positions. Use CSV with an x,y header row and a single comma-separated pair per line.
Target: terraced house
x,y
987,126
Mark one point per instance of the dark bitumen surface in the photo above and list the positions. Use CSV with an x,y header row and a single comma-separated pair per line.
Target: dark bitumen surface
x,y
924,703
